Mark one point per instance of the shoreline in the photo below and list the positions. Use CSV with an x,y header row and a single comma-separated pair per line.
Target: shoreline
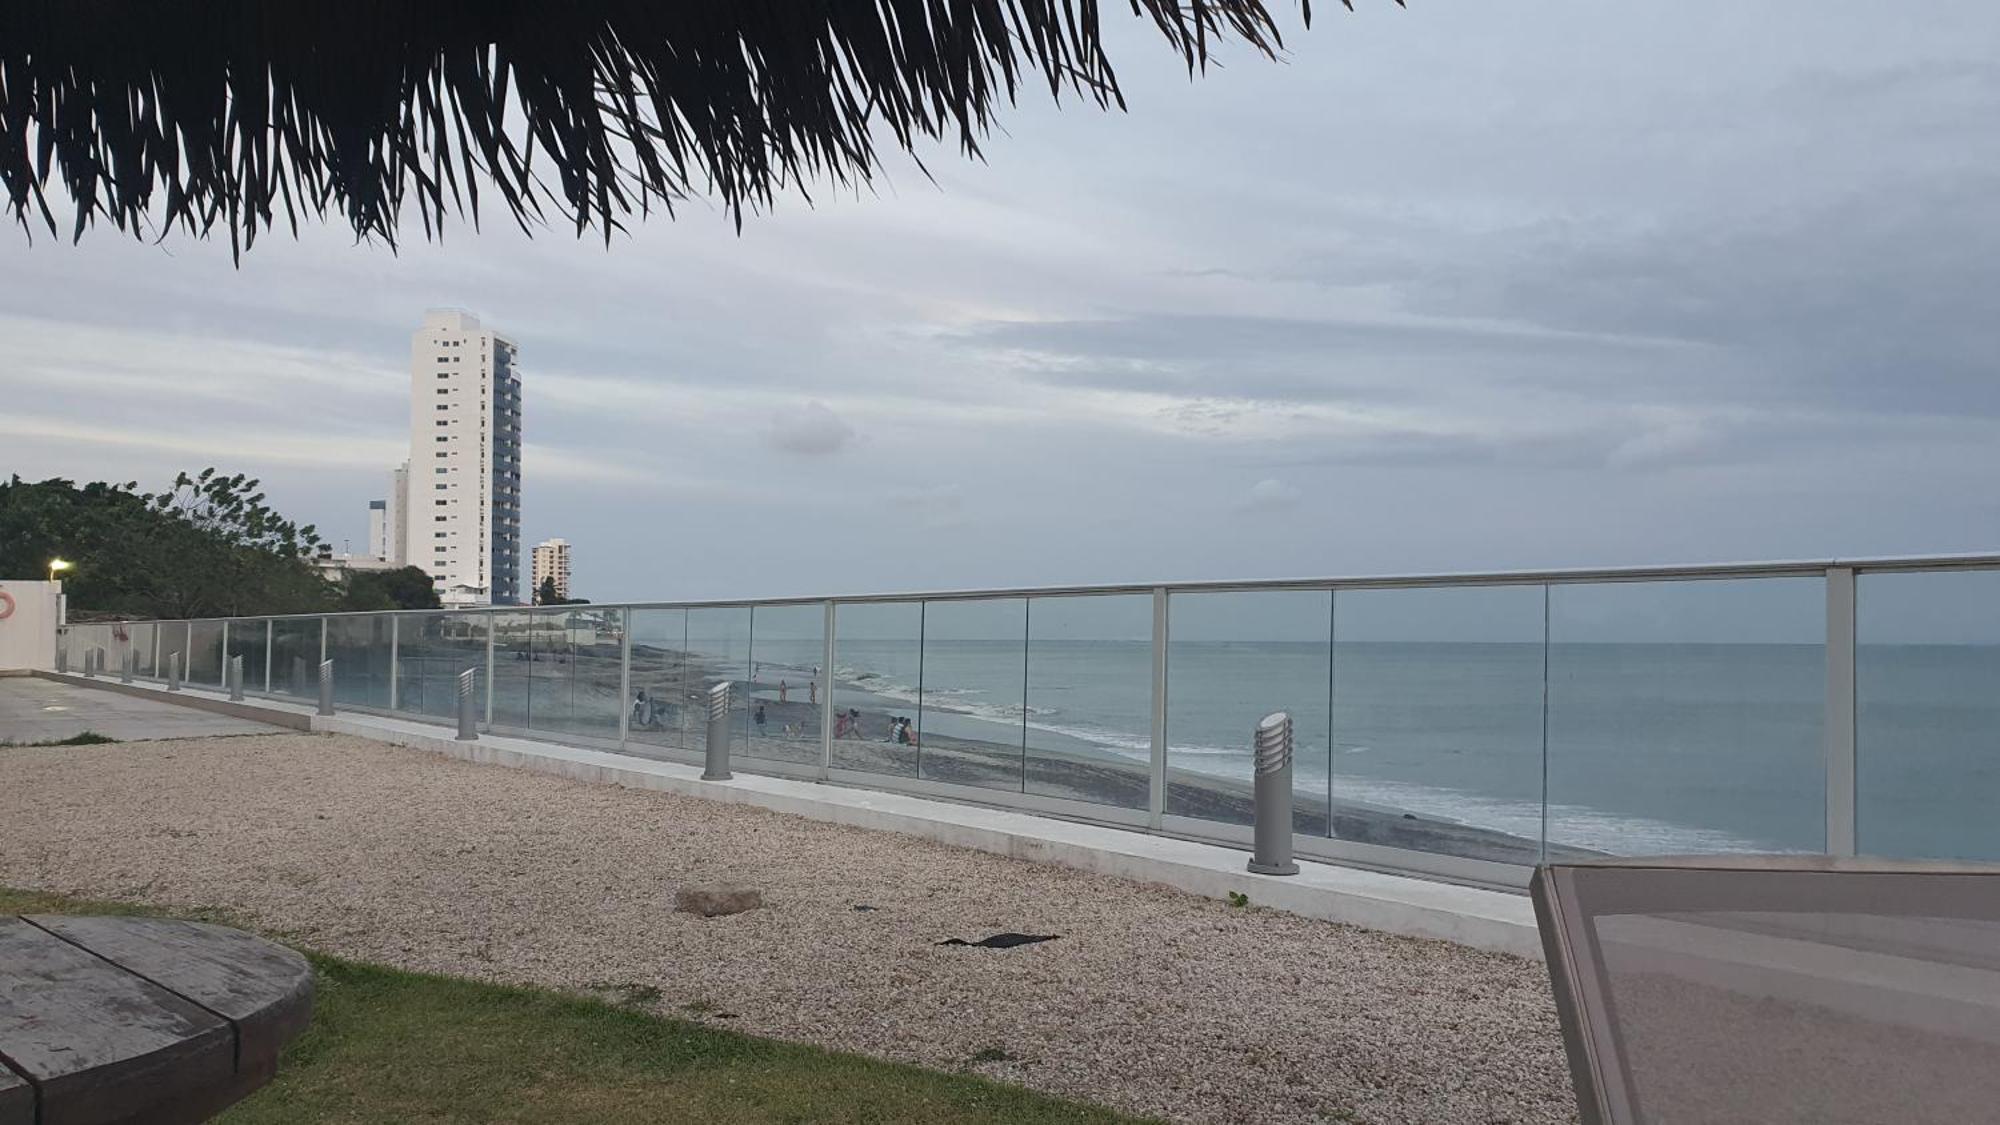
x,y
1050,764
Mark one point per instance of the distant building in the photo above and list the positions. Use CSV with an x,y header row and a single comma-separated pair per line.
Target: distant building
x,y
551,561
378,530
337,568
461,515
396,538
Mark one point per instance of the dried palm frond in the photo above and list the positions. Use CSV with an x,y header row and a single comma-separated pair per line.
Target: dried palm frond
x,y
227,113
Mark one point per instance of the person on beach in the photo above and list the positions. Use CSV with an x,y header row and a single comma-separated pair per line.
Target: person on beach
x,y
812,689
760,720
784,689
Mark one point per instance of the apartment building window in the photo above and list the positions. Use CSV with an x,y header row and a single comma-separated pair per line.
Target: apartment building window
x,y
441,437
442,503
440,535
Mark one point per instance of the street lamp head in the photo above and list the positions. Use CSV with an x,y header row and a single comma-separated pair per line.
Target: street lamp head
x,y
57,566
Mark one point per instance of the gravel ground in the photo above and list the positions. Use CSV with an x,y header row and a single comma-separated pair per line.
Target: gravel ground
x,y
1153,1001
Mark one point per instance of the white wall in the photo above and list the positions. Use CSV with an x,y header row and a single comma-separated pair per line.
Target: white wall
x,y
28,635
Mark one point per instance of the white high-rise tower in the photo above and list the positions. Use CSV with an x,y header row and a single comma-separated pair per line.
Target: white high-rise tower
x,y
462,506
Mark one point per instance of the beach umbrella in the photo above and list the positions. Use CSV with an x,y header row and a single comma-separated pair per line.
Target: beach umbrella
x,y
239,115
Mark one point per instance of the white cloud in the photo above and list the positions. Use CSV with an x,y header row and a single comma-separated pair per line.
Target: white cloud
x,y
1270,495
812,430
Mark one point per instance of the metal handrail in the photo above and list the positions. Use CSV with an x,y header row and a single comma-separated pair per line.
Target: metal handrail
x,y
1697,572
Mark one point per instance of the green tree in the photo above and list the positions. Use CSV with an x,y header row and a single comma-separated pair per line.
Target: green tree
x,y
207,546
403,588
545,594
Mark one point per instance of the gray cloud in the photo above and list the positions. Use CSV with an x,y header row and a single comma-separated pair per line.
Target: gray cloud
x,y
811,430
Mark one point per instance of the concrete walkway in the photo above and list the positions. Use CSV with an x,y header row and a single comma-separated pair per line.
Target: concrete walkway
x,y
34,709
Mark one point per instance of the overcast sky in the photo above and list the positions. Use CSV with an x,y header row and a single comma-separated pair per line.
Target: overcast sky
x,y
1465,286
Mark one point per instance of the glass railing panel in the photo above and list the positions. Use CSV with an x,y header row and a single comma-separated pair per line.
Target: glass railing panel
x,y
1687,717
877,666
1233,658
173,642
418,644
1090,699
204,666
295,657
974,686
661,692
139,639
1927,714
358,645
1437,720
573,666
248,638
787,647
718,650
514,651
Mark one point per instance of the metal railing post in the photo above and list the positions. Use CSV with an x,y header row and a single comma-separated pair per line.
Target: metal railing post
x,y
270,635
222,657
492,627
234,674
1156,786
826,716
395,631
173,671
1273,828
326,687
625,676
468,720
717,766
1840,793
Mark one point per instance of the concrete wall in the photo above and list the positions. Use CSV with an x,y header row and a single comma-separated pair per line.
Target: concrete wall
x,y
28,634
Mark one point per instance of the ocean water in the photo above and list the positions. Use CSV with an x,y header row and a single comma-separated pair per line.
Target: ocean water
x,y
1633,748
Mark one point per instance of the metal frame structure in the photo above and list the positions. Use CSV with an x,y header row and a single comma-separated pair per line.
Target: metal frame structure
x,y
1839,576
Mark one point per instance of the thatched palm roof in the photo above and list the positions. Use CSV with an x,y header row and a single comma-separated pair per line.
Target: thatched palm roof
x,y
206,114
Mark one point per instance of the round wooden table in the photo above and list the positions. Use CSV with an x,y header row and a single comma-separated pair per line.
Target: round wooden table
x,y
107,1020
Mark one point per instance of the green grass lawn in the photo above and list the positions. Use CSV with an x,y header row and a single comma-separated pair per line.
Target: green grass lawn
x,y
387,1045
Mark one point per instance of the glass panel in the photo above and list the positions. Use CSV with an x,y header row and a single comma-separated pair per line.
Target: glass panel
x,y
1090,699
1437,720
718,650
358,645
247,639
1233,658
877,668
573,671
788,643
173,642
513,668
139,637
662,700
1687,717
1927,714
974,680
295,657
204,666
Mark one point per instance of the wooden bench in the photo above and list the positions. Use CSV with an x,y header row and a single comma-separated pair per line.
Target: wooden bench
x,y
124,1020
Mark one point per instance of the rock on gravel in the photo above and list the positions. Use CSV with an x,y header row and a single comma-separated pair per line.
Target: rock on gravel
x,y
714,902
1154,1001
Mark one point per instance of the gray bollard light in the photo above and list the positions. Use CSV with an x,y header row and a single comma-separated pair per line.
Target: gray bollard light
x,y
1273,854
174,671
62,657
468,725
236,679
299,676
326,687
89,663
717,768
125,668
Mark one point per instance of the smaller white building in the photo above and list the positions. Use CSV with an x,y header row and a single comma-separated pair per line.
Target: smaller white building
x,y
551,561
30,613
